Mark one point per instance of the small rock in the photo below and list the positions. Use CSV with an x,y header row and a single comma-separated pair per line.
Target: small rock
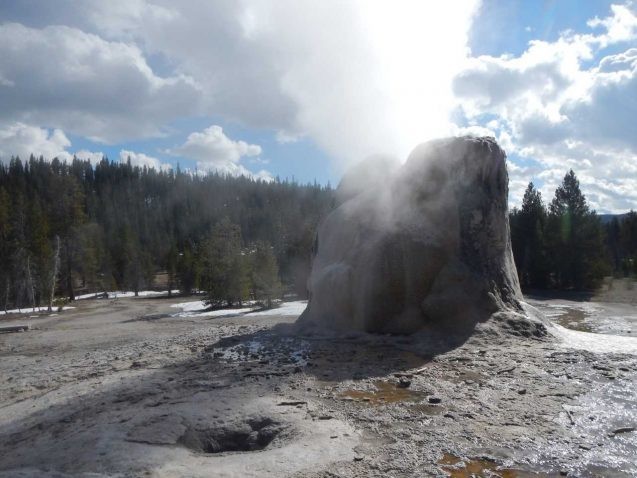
x,y
292,403
358,457
403,383
623,430
434,400
522,391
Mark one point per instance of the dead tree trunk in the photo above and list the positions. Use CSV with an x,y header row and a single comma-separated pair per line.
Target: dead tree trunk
x,y
56,265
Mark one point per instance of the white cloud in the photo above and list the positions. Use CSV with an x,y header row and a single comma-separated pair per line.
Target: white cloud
x,y
357,77
214,151
85,85
141,160
565,104
19,139
23,140
93,156
620,26
285,137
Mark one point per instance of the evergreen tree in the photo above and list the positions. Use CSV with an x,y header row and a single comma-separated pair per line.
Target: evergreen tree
x,y
172,261
119,224
613,245
92,257
188,271
224,274
5,248
527,236
628,243
575,238
266,285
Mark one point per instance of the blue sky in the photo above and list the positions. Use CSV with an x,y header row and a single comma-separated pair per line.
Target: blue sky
x,y
303,89
507,27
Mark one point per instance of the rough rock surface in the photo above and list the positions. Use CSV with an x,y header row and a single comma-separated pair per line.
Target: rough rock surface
x,y
425,247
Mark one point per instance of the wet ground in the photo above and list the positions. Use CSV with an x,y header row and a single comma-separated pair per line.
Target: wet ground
x,y
590,316
130,388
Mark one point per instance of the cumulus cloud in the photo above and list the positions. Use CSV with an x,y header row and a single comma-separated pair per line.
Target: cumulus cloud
x,y
620,26
23,140
357,77
77,81
19,139
93,156
141,160
214,151
565,104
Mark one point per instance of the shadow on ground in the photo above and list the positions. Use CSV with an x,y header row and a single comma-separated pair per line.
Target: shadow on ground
x,y
172,404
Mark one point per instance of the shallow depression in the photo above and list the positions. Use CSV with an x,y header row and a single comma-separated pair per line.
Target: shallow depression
x,y
253,435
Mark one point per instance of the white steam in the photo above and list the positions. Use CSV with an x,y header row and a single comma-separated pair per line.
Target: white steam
x,y
375,78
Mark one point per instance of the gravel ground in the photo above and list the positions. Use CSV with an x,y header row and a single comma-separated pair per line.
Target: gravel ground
x,y
128,388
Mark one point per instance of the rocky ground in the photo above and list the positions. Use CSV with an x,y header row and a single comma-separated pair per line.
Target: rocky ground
x,y
128,387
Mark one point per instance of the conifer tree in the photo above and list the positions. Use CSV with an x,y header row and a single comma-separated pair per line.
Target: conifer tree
x,y
527,234
172,261
5,248
266,285
224,275
575,238
118,224
188,270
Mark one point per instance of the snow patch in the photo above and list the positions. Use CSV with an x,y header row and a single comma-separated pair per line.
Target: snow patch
x,y
196,305
30,310
118,294
198,308
287,308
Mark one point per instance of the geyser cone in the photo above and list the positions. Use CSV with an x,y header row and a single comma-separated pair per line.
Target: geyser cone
x,y
428,248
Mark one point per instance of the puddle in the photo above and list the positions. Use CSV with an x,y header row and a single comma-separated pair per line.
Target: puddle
x,y
480,468
600,318
386,392
573,319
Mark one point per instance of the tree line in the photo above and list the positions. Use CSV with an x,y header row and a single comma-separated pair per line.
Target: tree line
x,y
71,227
567,245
